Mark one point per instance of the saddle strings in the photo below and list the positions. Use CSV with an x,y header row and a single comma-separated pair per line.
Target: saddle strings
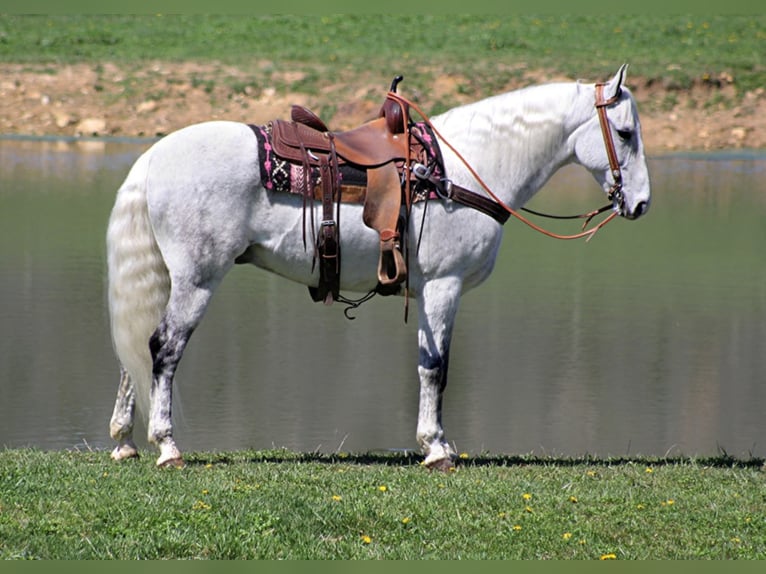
x,y
588,233
352,304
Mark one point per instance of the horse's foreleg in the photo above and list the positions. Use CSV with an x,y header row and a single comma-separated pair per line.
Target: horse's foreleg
x,y
121,425
436,315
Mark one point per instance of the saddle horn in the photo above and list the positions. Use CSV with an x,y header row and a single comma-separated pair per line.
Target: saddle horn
x,y
396,114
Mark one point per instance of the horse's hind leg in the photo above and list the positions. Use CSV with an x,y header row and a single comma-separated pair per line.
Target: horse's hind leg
x,y
121,425
185,308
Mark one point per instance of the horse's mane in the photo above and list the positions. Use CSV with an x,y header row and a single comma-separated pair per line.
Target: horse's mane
x,y
523,127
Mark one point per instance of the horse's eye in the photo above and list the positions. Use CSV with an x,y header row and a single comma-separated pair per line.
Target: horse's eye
x,y
625,135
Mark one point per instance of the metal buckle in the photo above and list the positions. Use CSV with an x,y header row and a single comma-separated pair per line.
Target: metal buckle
x,y
617,198
420,171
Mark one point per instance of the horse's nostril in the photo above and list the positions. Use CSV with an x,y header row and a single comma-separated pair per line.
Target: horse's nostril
x,y
641,208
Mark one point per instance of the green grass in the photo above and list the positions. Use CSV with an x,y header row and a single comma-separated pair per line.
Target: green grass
x,y
277,504
487,50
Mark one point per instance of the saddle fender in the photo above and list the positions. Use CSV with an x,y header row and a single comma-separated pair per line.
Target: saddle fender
x,y
381,212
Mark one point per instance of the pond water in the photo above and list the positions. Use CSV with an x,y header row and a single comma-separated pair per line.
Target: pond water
x,y
648,340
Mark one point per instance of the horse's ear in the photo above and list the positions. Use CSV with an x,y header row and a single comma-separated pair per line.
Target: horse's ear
x,y
612,88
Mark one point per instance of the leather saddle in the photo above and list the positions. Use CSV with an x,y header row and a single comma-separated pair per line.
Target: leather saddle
x,y
378,147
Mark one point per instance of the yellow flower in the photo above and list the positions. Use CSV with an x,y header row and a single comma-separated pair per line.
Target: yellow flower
x,y
649,470
517,527
366,539
526,496
610,556
527,509
209,465
337,497
573,499
640,506
406,520
463,455
382,488
205,491
567,535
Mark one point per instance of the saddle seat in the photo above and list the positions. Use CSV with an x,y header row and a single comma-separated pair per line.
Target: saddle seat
x,y
377,147
370,145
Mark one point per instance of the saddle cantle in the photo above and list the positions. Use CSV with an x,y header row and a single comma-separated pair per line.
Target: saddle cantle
x,y
301,115
379,147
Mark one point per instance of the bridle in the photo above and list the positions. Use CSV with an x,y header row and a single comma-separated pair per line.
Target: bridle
x,y
615,195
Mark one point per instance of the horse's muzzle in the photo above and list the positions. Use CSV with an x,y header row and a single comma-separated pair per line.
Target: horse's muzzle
x,y
640,209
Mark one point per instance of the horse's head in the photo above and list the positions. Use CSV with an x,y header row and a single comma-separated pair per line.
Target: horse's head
x,y
609,145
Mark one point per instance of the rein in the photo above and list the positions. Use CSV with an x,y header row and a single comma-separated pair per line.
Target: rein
x,y
614,194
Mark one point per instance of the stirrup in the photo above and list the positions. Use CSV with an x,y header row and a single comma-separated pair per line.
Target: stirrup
x,y
392,269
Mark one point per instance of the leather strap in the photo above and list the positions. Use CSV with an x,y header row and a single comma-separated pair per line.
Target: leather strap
x,y
470,199
480,203
328,240
615,193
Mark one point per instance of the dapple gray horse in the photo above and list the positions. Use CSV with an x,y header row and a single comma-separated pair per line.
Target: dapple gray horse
x,y
194,204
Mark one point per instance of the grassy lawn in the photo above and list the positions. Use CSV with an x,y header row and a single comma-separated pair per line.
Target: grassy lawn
x,y
487,50
277,504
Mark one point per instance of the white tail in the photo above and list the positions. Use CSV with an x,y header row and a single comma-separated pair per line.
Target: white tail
x,y
139,283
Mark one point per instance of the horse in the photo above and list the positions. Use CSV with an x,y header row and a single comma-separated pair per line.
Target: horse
x,y
194,204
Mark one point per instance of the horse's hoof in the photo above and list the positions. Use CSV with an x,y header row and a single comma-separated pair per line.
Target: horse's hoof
x,y
170,456
177,462
443,465
124,451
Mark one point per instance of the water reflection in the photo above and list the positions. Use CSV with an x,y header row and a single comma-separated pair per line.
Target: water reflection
x,y
647,340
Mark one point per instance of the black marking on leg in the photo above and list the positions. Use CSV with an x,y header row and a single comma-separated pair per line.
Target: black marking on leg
x,y
429,360
167,347
433,361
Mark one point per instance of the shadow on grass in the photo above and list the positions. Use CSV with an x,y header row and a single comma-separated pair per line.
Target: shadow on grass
x,y
412,458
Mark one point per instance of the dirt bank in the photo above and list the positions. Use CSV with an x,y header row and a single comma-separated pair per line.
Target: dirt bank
x,y
110,100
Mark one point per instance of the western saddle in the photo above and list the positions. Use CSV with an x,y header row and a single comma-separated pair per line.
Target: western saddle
x,y
382,148
401,164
